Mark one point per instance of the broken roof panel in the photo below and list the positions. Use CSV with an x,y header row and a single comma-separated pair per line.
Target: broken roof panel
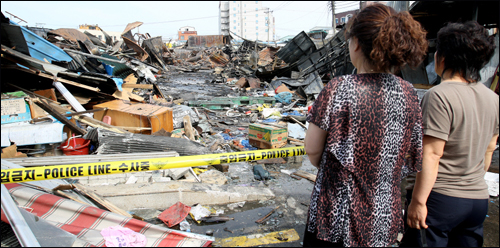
x,y
131,26
69,34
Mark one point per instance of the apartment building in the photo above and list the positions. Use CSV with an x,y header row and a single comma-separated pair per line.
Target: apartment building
x,y
247,19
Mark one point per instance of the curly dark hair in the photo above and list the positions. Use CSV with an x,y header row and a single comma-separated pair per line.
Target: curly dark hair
x,y
466,48
389,40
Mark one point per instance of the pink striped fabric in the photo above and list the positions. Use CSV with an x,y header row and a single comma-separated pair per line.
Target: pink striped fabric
x,y
86,222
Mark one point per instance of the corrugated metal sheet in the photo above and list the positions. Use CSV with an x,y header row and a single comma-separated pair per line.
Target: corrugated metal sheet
x,y
301,45
206,41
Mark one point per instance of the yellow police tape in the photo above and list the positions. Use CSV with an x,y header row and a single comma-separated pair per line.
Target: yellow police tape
x,y
21,175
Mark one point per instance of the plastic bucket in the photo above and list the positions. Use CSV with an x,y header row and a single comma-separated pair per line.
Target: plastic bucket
x,y
75,146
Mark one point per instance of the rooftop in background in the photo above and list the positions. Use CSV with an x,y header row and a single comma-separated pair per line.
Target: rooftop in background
x,y
90,27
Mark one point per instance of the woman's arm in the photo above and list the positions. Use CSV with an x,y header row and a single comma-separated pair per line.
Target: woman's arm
x,y
489,152
314,143
432,151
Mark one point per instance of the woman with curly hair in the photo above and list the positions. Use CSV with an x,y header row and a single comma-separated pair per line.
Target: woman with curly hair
x,y
460,121
362,129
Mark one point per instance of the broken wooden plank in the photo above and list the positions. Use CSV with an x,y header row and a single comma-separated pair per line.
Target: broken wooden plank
x,y
188,128
296,140
98,124
138,86
306,175
68,115
46,106
33,94
105,203
267,215
88,120
298,122
66,195
158,90
138,129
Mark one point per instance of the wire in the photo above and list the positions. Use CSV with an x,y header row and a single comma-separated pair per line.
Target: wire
x,y
346,5
342,3
326,11
281,5
147,23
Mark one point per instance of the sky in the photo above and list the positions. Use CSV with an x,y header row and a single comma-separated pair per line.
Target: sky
x,y
164,18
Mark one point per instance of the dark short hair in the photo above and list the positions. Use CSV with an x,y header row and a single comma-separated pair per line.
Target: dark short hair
x,y
466,48
389,40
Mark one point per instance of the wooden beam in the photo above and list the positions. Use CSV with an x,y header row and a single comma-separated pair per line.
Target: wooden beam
x,y
188,128
46,106
105,203
305,175
66,195
135,128
138,86
296,140
298,122
68,115
88,120
266,216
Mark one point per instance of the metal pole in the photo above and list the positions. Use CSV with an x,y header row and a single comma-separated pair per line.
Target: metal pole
x,y
334,25
23,232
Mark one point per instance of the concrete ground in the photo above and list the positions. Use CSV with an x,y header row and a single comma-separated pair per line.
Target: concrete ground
x,y
291,195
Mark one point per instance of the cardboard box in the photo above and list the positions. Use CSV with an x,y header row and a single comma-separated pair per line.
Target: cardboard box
x,y
267,136
15,110
140,115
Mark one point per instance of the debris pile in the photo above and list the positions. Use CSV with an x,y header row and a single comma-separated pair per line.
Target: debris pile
x,y
210,92
136,97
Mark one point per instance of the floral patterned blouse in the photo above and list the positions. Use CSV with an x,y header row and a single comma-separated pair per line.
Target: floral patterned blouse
x,y
374,140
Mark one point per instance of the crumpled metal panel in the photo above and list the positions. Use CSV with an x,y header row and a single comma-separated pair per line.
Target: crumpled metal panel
x,y
155,46
314,82
94,39
41,49
301,45
69,34
141,54
206,41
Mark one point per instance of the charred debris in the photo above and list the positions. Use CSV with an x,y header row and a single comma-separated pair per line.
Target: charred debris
x,y
141,86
